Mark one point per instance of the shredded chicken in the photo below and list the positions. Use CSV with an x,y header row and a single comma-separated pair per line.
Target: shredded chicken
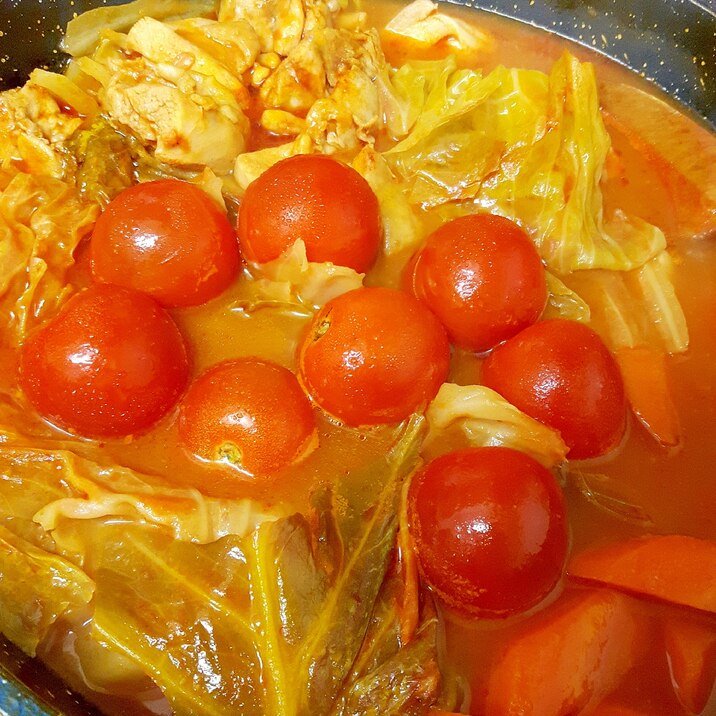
x,y
180,89
33,130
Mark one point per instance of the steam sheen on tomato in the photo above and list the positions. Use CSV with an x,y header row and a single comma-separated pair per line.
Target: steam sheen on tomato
x,y
373,355
248,413
482,277
111,363
490,530
168,239
323,202
561,373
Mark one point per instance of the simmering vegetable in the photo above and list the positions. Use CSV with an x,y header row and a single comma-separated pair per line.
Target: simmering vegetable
x,y
317,200
111,362
355,362
561,373
248,413
483,278
373,355
167,239
490,530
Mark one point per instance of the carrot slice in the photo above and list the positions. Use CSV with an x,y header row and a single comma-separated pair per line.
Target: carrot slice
x,y
674,568
691,648
644,371
616,709
567,659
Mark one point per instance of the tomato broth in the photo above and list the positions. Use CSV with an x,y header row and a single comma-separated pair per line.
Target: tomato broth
x,y
663,174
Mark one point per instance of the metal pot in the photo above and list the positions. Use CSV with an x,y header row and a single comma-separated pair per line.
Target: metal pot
x,y
670,42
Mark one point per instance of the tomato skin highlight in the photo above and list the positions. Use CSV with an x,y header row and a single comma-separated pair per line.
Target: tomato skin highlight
x,y
373,356
482,277
168,239
111,363
249,413
490,530
323,202
561,373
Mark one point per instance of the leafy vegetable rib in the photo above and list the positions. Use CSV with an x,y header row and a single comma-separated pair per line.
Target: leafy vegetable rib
x,y
271,623
263,591
220,606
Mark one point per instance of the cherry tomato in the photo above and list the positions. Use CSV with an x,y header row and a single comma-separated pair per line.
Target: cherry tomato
x,y
561,373
490,530
248,413
373,355
320,200
111,362
482,277
166,238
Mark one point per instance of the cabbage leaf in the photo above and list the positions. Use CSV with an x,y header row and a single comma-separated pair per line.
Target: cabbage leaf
x,y
476,416
105,162
36,588
52,486
272,623
401,229
42,221
422,25
529,146
292,280
84,32
562,302
638,307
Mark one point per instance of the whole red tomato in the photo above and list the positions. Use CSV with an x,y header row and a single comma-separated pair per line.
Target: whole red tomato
x,y
323,202
168,239
248,413
111,363
490,530
561,373
373,355
482,277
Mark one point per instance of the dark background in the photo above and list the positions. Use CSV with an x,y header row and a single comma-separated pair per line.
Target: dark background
x,y
672,42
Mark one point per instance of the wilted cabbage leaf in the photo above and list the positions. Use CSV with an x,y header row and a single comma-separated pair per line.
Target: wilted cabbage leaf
x,y
292,280
36,588
639,307
50,486
480,417
401,228
271,624
422,24
531,147
562,302
403,684
64,90
42,221
105,162
85,31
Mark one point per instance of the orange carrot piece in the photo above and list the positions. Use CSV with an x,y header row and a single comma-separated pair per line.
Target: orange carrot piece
x,y
438,712
691,649
613,708
646,381
567,659
673,568
686,196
